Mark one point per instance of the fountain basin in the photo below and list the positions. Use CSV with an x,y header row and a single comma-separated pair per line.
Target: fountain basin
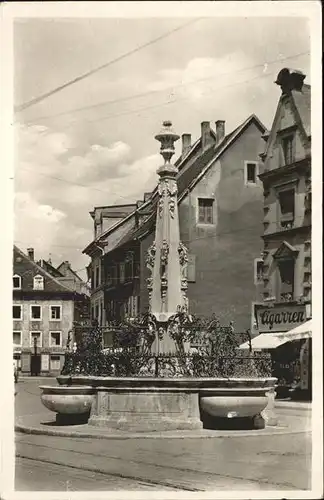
x,y
234,403
68,400
144,404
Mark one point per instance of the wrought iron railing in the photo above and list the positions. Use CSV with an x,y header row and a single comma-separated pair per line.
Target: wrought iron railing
x,y
132,363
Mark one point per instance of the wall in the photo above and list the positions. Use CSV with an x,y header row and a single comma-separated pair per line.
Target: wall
x,y
225,251
45,325
284,119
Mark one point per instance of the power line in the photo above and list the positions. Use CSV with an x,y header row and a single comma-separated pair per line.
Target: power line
x,y
36,100
166,103
154,92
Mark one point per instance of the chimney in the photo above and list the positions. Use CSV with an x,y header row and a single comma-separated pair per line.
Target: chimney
x,y
186,143
220,131
205,135
30,252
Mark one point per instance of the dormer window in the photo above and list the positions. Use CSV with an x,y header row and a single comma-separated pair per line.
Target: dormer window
x,y
16,282
38,282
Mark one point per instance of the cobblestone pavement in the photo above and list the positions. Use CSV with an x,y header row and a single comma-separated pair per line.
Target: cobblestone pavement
x,y
278,462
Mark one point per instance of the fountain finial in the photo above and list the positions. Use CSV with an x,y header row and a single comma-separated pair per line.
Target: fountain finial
x,y
167,137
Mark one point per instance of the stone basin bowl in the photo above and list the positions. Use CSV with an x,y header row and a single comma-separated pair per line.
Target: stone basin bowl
x,y
67,400
235,402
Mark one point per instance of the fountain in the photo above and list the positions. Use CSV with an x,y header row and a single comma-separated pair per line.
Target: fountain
x,y
159,383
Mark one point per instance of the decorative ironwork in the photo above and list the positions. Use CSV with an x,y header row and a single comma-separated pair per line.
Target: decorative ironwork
x,y
213,353
129,363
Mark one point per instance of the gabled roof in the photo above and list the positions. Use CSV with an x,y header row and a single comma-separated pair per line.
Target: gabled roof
x,y
30,268
70,269
188,178
47,266
220,149
183,158
285,250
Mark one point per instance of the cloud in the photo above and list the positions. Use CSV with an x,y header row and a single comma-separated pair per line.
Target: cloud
x,y
56,188
201,74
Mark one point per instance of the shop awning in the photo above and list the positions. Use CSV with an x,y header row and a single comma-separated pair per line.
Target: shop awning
x,y
274,340
264,341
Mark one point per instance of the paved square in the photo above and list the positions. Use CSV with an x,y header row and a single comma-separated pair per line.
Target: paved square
x,y
260,462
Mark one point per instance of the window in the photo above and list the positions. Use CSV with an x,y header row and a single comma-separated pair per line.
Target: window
x,y
55,363
97,283
205,210
286,275
55,313
38,282
38,337
287,149
122,272
97,312
258,271
129,268
251,172
287,208
55,339
16,282
109,276
16,312
16,338
35,313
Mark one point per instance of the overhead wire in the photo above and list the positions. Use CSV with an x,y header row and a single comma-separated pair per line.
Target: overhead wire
x,y
40,98
165,89
138,111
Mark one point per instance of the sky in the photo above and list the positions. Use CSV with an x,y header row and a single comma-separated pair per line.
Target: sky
x,y
69,160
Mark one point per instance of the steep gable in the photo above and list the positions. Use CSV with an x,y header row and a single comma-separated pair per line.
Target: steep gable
x,y
285,251
27,270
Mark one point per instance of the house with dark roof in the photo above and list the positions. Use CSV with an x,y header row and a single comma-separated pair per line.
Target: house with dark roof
x,y
220,213
44,310
285,280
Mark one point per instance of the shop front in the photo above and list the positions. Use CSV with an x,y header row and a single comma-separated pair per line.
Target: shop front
x,y
286,333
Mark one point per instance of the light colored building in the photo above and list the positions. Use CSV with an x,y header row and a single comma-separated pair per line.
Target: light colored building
x,y
285,283
43,313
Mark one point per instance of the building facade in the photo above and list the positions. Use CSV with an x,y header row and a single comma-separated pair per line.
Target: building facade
x,y
285,294
43,311
220,201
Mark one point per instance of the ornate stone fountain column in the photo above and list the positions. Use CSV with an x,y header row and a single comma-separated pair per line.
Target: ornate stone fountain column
x,y
167,257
